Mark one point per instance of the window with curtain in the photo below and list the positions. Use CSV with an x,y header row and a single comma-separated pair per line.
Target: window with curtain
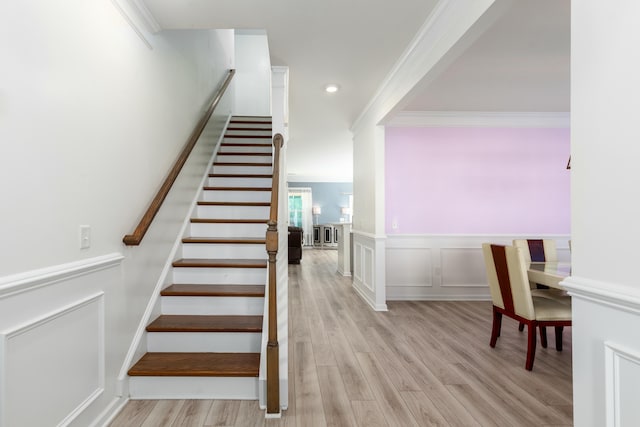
x,y
300,202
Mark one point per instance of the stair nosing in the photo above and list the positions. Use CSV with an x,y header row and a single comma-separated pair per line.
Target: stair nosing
x,y
166,323
228,221
204,362
203,290
219,263
225,240
246,204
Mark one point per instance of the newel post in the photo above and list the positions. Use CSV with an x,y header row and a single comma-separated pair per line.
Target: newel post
x,y
273,358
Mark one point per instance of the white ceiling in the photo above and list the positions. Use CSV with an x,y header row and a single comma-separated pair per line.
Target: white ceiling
x,y
519,64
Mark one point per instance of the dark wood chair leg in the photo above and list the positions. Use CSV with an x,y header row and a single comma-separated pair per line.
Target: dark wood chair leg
x,y
543,336
521,327
531,345
559,330
497,325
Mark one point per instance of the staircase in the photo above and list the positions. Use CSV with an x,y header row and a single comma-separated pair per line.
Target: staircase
x,y
206,341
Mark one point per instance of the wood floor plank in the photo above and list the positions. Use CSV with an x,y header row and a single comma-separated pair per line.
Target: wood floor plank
x,y
164,413
368,414
309,410
134,413
250,414
423,409
401,378
335,401
223,413
354,379
393,407
193,413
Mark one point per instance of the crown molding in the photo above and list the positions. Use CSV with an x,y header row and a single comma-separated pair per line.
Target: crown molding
x,y
450,28
138,16
481,119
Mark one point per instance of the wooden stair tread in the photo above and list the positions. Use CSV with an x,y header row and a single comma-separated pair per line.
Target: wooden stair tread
x,y
241,164
240,175
226,240
202,323
197,364
189,290
252,121
244,153
208,188
252,144
207,203
266,128
220,263
248,136
228,221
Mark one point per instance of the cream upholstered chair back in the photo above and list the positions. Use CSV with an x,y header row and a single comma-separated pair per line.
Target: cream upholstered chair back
x,y
537,250
508,281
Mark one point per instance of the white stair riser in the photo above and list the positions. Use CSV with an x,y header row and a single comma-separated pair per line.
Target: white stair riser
x,y
228,230
239,182
246,148
223,306
229,158
235,196
204,342
235,119
233,212
236,388
221,168
224,250
219,276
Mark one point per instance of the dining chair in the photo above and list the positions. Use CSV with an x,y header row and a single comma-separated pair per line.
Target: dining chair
x,y
541,250
511,296
537,250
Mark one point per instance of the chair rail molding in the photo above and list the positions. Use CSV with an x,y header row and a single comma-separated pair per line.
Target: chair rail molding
x,y
618,297
22,282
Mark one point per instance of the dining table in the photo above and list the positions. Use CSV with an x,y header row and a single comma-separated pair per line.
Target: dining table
x,y
549,273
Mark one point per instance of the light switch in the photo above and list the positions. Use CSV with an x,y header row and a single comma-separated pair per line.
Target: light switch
x,y
85,236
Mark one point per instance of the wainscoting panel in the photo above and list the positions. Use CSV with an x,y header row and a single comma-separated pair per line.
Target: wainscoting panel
x,y
622,373
606,352
462,267
439,267
56,324
64,349
411,275
369,269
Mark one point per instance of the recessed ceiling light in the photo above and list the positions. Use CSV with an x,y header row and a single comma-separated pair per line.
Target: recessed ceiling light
x,y
331,88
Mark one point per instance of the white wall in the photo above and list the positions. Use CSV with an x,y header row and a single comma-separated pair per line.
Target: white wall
x,y
253,74
91,119
605,77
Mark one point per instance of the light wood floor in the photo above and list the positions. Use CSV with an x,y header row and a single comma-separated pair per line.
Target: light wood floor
x,y
419,364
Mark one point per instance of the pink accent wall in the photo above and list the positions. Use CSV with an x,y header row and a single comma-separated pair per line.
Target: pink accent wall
x,y
477,181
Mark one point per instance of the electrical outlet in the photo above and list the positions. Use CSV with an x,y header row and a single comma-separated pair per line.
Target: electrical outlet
x,y
85,236
394,224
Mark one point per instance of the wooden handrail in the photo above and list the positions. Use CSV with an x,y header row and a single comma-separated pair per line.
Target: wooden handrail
x,y
273,359
144,224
